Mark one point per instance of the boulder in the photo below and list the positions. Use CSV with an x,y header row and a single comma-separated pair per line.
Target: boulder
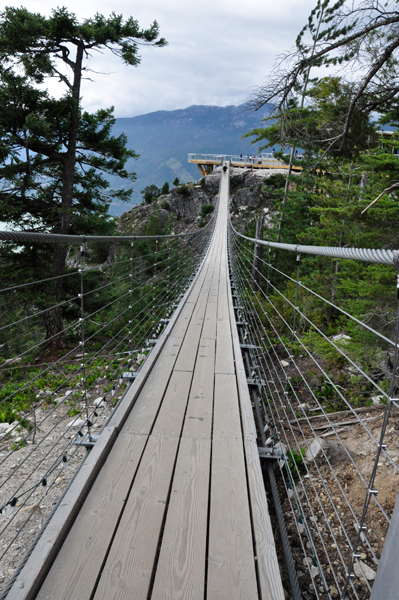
x,y
377,400
364,571
341,338
246,197
335,452
76,423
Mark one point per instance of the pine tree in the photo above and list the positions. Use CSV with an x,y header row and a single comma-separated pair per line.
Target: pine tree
x,y
52,152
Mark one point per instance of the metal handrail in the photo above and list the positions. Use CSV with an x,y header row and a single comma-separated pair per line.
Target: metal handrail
x,y
381,256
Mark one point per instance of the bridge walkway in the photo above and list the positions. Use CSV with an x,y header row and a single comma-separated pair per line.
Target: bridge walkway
x,y
179,510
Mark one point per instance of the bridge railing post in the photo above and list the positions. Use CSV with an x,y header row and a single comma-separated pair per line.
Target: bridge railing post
x,y
83,249
386,583
258,255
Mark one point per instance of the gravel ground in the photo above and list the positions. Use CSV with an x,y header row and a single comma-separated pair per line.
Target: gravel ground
x,y
23,469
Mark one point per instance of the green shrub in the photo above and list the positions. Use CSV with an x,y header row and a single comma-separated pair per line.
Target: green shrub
x,y
165,188
275,182
150,193
183,190
295,461
206,209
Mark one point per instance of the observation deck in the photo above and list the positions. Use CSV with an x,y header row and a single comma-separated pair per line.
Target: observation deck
x,y
263,161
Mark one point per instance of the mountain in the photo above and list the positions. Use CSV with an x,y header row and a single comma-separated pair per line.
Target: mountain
x,y
164,138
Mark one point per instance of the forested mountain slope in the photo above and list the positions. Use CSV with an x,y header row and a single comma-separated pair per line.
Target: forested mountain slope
x,y
164,138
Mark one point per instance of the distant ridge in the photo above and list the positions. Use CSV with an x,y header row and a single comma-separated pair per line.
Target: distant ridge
x,y
164,138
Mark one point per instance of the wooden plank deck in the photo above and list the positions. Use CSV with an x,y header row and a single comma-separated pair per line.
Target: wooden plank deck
x,y
179,510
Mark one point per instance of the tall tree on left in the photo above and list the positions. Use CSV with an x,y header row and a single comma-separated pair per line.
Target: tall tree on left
x,y
54,156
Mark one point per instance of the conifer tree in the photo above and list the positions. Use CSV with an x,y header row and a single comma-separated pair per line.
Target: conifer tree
x,y
361,38
53,153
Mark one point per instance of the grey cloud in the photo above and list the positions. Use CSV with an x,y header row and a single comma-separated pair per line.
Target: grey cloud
x,y
216,52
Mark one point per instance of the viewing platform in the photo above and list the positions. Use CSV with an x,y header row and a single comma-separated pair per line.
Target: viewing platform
x,y
207,162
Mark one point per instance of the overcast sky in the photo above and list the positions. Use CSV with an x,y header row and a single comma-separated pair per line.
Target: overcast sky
x,y
218,50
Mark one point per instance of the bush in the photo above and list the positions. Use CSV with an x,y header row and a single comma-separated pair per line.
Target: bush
x,y
206,209
275,182
150,193
165,188
183,190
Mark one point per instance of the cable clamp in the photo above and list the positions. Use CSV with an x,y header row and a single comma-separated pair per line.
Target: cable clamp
x,y
351,575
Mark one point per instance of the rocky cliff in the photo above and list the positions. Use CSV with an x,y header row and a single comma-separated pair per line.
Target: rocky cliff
x,y
188,206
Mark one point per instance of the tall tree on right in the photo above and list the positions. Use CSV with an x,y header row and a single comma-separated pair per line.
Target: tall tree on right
x,y
361,39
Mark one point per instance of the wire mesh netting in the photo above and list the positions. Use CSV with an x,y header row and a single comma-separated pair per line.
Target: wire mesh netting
x,y
326,404
70,347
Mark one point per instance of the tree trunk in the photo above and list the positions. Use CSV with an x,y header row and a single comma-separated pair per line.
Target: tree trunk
x,y
53,317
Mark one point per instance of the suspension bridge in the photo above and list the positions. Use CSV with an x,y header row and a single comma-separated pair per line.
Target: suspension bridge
x,y
201,372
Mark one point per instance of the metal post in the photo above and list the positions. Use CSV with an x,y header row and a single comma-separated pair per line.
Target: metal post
x,y
130,329
298,262
156,257
258,255
269,273
289,559
391,583
82,340
386,584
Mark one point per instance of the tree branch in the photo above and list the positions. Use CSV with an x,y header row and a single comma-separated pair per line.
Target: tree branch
x,y
395,186
388,52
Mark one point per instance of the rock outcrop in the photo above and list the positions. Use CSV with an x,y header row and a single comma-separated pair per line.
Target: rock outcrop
x,y
178,210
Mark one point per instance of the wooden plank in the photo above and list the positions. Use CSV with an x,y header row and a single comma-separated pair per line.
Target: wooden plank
x,y
202,279
209,328
181,567
182,562
170,418
214,289
32,575
223,307
128,569
231,563
269,577
182,323
198,420
76,569
143,414
226,409
224,349
188,351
